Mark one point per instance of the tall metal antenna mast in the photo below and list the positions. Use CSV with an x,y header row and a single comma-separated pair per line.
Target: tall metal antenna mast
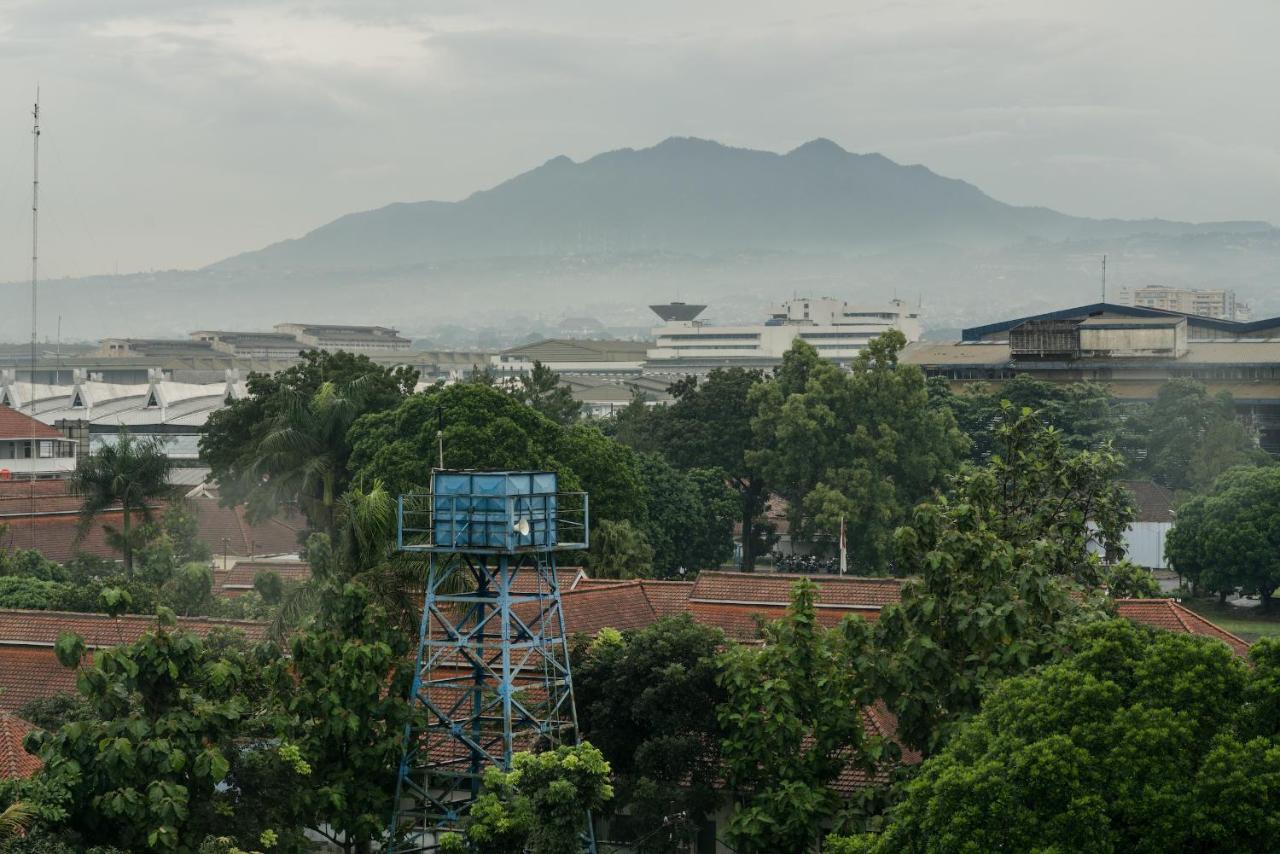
x,y
35,234
1104,278
35,257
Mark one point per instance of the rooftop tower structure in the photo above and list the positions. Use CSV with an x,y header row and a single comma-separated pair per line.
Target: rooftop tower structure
x,y
492,674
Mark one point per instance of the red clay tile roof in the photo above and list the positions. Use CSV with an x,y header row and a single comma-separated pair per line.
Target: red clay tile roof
x,y
741,622
29,670
667,597
773,588
226,528
241,576
15,762
15,425
56,535
1154,502
620,606
31,673
1172,616
41,628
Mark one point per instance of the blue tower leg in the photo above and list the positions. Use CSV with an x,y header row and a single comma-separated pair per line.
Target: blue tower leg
x,y
492,675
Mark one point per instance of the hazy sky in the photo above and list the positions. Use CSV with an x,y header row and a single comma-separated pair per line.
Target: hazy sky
x,y
178,132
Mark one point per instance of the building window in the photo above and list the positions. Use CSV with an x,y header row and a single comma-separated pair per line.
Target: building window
x,y
46,450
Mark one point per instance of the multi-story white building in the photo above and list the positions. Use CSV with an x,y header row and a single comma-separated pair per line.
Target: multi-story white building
x,y
836,329
30,449
1218,303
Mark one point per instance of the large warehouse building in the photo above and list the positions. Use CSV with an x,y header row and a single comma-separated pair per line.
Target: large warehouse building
x,y
1130,349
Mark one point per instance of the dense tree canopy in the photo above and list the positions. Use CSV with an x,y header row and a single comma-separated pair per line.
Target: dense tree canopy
x,y
1187,437
541,390
540,806
1140,741
707,426
486,429
287,442
1229,538
1084,413
990,565
862,445
143,771
647,700
690,516
792,721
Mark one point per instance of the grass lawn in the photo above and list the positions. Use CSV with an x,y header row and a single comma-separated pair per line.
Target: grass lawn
x,y
1248,623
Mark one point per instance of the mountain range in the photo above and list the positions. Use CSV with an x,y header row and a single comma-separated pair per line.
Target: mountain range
x,y
696,197
687,218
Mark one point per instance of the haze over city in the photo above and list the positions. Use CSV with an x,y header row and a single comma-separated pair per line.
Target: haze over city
x,y
180,133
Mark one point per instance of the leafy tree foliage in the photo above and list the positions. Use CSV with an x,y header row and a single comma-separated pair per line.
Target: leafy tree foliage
x,y
538,807
618,550
541,390
143,771
1230,538
287,441
690,516
708,426
990,564
648,700
1188,437
862,445
131,474
22,592
1083,413
1141,741
486,429
1126,581
791,721
340,700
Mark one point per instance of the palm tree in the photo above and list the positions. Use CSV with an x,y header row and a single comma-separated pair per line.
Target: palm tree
x,y
362,551
303,454
132,473
15,819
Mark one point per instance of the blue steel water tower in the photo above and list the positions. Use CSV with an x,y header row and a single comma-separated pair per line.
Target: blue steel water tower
x,y
492,674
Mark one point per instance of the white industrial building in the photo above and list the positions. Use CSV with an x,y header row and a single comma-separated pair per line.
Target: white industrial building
x,y
836,329
93,412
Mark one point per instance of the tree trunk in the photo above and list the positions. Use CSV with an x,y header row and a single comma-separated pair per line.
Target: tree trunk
x,y
750,508
128,542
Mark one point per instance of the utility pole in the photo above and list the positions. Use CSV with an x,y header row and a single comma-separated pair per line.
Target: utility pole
x,y
35,234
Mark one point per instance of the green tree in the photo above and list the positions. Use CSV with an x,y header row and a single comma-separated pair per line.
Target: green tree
x,y
1126,581
189,591
648,700
1229,538
1187,437
541,390
341,700
32,593
132,474
690,516
708,426
862,445
540,806
1084,413
266,433
486,429
792,722
990,566
144,772
618,550
1140,741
